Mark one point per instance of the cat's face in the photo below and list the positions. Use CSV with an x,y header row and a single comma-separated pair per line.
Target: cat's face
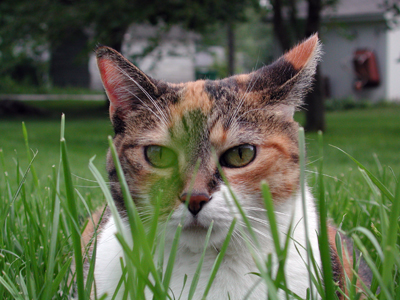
x,y
173,140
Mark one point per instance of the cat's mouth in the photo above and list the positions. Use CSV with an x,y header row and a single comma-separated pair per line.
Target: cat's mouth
x,y
195,224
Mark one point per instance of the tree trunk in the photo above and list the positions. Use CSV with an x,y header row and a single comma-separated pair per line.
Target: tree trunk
x,y
314,105
288,32
117,37
231,49
280,29
314,101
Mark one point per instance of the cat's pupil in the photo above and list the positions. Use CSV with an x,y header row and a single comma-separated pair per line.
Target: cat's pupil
x,y
240,153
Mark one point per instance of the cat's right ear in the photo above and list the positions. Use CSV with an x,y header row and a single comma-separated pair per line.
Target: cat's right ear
x,y
125,85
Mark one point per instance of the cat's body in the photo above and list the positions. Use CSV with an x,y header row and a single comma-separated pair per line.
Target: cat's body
x,y
245,124
234,276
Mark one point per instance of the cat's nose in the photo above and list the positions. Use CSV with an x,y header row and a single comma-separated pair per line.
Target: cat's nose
x,y
196,201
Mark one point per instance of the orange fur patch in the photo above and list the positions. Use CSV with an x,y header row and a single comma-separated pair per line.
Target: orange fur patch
x,y
218,135
242,80
194,97
273,163
301,54
88,233
347,265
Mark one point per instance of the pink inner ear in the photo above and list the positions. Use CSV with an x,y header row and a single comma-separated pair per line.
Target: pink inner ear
x,y
301,54
112,82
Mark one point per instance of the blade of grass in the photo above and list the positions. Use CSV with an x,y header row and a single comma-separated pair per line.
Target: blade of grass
x,y
375,180
302,153
5,213
136,225
161,247
219,259
269,205
52,252
263,272
196,276
374,269
171,259
390,243
238,206
371,238
55,286
74,219
10,287
281,253
22,284
28,150
323,232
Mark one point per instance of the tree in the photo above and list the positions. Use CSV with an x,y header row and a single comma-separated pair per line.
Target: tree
x,y
57,23
289,29
30,28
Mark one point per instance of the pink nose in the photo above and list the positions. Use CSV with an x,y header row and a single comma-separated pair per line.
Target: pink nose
x,y
196,202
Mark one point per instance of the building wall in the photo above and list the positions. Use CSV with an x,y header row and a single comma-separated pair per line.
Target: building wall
x,y
173,60
339,44
393,64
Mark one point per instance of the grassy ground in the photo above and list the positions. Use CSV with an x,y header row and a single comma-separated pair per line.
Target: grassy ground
x,y
36,218
366,134
87,128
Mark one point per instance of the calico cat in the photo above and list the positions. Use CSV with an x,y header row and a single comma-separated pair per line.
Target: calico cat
x,y
245,124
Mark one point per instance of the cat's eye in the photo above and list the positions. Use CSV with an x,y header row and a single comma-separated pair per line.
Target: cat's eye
x,y
160,157
238,156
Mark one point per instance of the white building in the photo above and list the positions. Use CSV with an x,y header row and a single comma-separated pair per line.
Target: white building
x,y
354,25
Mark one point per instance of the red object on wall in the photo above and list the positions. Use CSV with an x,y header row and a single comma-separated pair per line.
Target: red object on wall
x,y
366,69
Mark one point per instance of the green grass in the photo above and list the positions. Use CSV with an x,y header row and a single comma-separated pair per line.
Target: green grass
x,y
40,218
86,131
361,133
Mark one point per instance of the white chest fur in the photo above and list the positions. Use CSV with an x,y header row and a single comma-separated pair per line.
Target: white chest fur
x,y
234,277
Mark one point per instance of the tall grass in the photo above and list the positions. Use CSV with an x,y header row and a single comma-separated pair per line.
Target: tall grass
x,y
41,224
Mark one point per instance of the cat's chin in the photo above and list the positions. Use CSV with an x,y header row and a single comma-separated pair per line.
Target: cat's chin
x,y
194,232
193,238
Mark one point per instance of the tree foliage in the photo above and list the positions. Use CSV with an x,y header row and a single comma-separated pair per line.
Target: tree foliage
x,y
28,27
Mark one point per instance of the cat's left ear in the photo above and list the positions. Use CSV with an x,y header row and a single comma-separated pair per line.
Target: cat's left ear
x,y
283,84
126,86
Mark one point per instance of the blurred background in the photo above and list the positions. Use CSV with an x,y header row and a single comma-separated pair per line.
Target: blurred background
x,y
47,64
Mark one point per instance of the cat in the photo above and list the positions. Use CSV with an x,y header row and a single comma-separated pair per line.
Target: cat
x,y
163,131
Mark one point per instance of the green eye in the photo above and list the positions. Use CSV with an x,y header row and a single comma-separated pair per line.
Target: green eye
x,y
238,156
160,157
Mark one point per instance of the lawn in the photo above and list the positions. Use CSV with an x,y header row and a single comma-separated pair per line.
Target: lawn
x,y
87,128
369,135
